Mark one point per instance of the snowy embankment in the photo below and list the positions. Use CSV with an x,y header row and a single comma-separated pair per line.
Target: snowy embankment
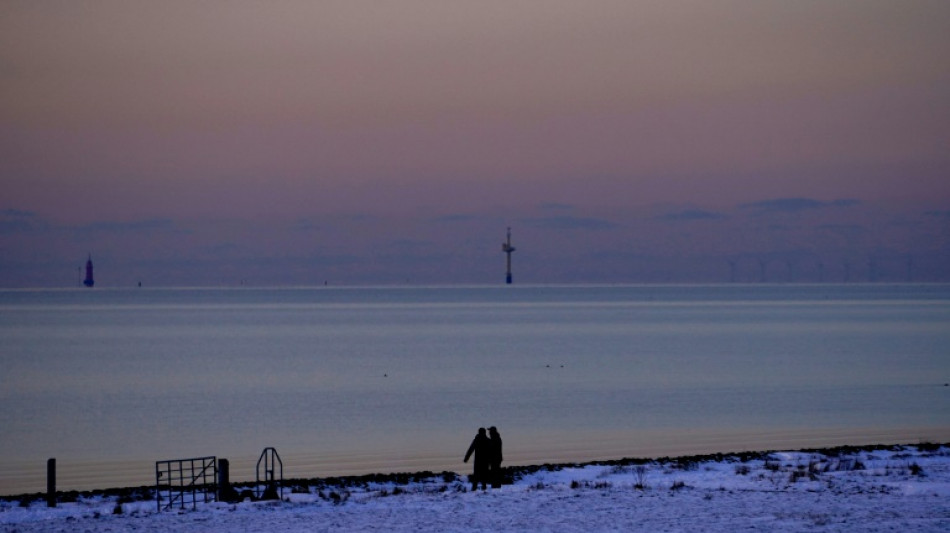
x,y
896,488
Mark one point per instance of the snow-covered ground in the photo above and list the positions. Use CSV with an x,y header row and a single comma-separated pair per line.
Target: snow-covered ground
x,y
893,489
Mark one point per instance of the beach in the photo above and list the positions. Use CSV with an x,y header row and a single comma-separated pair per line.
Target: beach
x,y
871,488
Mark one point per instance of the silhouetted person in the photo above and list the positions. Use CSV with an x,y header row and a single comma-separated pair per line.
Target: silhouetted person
x,y
494,468
481,448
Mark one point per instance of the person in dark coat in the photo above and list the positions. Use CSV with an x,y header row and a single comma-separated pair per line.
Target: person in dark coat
x,y
496,457
481,449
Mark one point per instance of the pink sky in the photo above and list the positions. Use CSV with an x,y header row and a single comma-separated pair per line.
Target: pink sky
x,y
361,142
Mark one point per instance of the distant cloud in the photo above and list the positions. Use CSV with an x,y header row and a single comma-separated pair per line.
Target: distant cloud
x,y
151,224
16,220
619,256
410,244
941,213
457,217
360,217
17,213
842,228
845,202
570,223
793,205
554,206
226,246
305,225
692,214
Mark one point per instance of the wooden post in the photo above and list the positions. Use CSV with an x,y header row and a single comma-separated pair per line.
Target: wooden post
x,y
225,493
51,482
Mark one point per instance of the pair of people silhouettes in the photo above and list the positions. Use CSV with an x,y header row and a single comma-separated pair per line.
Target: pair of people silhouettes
x,y
487,462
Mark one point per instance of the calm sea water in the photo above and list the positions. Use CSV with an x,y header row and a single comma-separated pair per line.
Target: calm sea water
x,y
355,380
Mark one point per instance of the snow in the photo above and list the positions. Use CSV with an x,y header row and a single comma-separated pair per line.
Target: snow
x,y
846,489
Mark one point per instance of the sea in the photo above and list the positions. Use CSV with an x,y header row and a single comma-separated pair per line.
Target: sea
x,y
356,380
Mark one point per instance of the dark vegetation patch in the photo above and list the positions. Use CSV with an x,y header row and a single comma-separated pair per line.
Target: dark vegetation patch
x,y
599,485
838,451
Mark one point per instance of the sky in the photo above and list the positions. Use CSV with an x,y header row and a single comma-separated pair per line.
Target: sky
x,y
301,143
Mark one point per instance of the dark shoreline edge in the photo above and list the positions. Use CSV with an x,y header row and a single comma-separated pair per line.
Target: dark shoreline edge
x,y
513,473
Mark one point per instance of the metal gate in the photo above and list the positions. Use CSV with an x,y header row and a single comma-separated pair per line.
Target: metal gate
x,y
273,483
183,482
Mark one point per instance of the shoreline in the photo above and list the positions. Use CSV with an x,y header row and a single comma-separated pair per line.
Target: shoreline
x,y
76,475
513,472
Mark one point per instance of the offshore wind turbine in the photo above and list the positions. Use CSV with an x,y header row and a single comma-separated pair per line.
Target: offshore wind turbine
x,y
508,248
89,282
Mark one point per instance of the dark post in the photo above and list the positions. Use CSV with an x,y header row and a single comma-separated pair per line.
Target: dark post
x,y
51,482
224,478
225,492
